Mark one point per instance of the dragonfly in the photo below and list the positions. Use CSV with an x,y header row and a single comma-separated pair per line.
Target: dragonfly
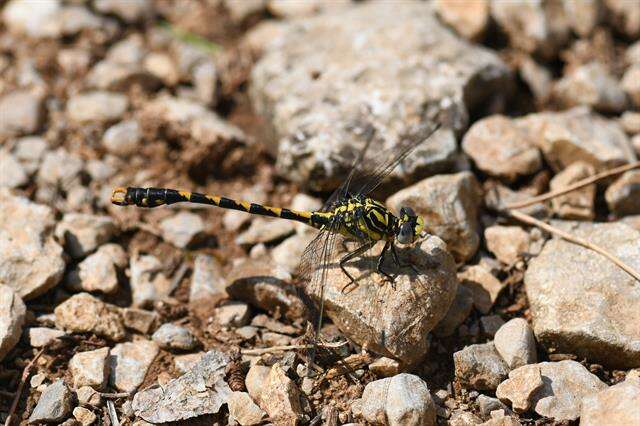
x,y
348,215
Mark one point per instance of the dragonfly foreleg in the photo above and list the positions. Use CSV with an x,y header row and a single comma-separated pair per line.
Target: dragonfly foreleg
x,y
351,255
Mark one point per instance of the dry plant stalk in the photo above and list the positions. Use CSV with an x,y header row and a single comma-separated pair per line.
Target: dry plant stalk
x,y
23,380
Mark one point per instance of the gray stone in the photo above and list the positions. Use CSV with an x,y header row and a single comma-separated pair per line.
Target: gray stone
x,y
171,336
116,76
463,418
83,233
403,399
507,243
54,404
90,368
30,150
42,336
148,282
320,96
283,401
129,363
20,113
61,169
13,174
390,319
202,390
129,10
98,272
83,313
186,362
480,367
89,396
631,85
515,343
182,229
468,18
207,279
243,410
205,78
485,288
233,314
449,204
265,230
31,261
12,317
140,320
122,138
560,392
490,324
591,85
458,312
578,204
596,315
619,404
33,19
623,195
97,106
500,148
488,404
288,253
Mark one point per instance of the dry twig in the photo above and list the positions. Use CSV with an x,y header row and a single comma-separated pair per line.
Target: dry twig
x,y
260,351
23,380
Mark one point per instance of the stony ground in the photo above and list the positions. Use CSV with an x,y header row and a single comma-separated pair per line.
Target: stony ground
x,y
114,315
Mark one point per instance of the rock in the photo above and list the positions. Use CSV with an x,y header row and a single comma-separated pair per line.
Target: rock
x,y
457,313
20,113
233,314
578,204
490,324
205,79
624,16
42,336
507,243
468,18
291,10
97,106
84,416
578,135
552,389
29,151
90,368
488,404
631,85
162,66
33,19
583,16
463,418
239,10
619,404
593,86
635,141
89,396
129,363
83,233
123,138
484,287
288,253
265,230
623,195
261,284
12,318
596,314
449,205
182,229
120,76
540,28
54,404
500,418
171,336
243,410
83,313
256,380
98,271
318,140
13,174
630,121
148,282
140,320
480,367
385,367
186,362
537,77
515,343
207,279
501,148
391,319
403,399
202,390
129,11
632,221
73,61
61,169
283,404
31,260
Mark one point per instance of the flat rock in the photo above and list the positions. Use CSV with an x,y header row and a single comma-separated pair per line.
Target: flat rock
x,y
391,319
403,399
385,367
83,233
480,366
13,174
207,279
99,106
578,204
321,84
515,343
12,318
618,404
558,395
468,18
42,336
83,313
99,271
90,368
500,148
20,113
202,390
233,314
243,410
129,363
54,404
148,281
140,320
597,313
623,195
123,138
182,229
485,288
507,243
171,336
31,260
449,205
283,401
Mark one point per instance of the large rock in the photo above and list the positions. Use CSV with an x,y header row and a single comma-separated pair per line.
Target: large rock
x,y
97,106
31,260
619,404
12,315
90,368
129,363
584,304
321,85
282,402
623,195
391,319
468,18
449,205
83,233
54,404
480,366
148,281
20,113
83,313
578,204
558,395
515,343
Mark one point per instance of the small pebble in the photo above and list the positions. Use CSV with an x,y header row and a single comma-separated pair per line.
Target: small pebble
x,y
171,336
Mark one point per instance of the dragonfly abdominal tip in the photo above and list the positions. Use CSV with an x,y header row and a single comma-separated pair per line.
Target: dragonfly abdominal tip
x,y
119,196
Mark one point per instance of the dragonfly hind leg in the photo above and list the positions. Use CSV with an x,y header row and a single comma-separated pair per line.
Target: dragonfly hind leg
x,y
349,256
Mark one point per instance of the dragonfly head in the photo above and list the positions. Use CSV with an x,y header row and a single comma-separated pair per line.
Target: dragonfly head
x,y
410,226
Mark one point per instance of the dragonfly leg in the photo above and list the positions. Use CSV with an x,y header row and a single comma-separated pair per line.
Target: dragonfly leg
x,y
400,264
347,257
385,249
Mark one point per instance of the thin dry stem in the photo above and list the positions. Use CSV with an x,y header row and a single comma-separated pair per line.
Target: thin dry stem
x,y
260,351
23,379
